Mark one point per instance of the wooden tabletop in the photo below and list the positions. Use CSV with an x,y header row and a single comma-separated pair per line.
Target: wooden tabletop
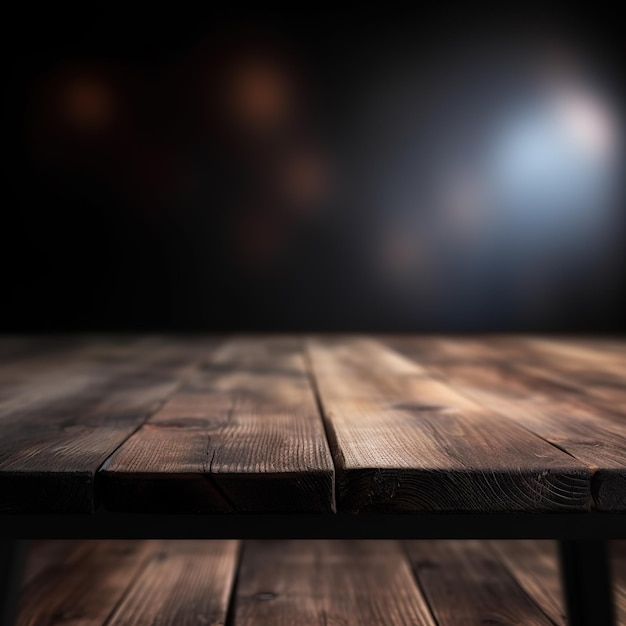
x,y
312,424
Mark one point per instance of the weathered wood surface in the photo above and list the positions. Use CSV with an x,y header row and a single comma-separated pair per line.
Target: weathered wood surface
x,y
360,583
466,584
595,369
403,440
534,565
84,586
327,582
203,424
185,583
128,582
244,434
491,374
43,553
63,414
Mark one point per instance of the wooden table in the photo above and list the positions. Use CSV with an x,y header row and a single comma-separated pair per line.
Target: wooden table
x,y
514,436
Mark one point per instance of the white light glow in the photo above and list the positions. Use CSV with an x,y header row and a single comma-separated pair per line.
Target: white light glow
x,y
588,122
552,163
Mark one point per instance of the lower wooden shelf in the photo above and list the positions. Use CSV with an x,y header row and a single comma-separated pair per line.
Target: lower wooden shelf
x,y
112,583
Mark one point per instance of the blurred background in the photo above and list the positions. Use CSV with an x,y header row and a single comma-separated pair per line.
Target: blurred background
x,y
434,169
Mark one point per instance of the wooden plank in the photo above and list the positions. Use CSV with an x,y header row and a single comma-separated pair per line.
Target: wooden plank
x,y
187,582
578,354
245,434
86,589
40,372
576,371
590,372
594,438
93,583
403,440
43,553
535,566
465,584
16,350
597,376
60,420
327,582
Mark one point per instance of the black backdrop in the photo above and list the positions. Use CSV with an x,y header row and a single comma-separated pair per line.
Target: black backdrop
x,y
142,248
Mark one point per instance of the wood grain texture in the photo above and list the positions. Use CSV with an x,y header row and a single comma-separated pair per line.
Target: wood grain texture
x,y
187,582
85,587
465,584
403,440
98,583
534,564
590,371
594,437
327,582
416,423
61,417
43,553
535,567
245,434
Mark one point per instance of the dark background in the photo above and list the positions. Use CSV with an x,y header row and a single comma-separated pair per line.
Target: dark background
x,y
157,208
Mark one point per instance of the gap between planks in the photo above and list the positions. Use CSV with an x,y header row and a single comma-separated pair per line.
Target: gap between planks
x,y
404,440
244,434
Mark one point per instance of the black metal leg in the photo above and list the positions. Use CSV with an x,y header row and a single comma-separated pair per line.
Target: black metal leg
x,y
586,577
12,556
